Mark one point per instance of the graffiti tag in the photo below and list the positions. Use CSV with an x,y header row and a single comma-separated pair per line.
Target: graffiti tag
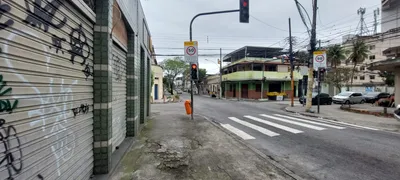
x,y
9,140
4,8
57,43
87,71
5,104
83,109
44,15
78,42
117,69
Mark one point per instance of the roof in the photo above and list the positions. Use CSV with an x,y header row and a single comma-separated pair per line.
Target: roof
x,y
390,49
252,51
385,65
257,61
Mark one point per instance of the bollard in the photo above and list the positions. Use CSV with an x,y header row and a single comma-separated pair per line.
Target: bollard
x,y
188,107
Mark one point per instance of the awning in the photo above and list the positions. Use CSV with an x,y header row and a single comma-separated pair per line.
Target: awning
x,y
385,65
390,49
252,51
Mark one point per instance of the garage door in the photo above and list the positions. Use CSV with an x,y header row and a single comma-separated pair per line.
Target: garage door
x,y
119,96
46,91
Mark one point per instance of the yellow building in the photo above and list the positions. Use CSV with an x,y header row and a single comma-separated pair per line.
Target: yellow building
x,y
157,91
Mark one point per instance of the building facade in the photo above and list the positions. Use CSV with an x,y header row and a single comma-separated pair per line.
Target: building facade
x,y
157,92
212,84
253,72
74,85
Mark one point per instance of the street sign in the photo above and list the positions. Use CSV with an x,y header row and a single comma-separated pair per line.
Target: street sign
x,y
191,51
319,60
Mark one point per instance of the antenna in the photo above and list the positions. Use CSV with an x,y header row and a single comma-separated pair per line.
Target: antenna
x,y
376,14
363,27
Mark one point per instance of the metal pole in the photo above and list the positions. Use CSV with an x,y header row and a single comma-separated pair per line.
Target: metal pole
x,y
220,73
190,37
291,64
319,89
310,63
262,81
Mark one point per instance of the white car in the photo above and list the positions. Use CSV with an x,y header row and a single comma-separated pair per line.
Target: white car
x,y
349,98
397,112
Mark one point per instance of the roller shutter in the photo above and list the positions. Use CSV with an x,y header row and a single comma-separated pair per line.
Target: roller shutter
x,y
46,65
119,95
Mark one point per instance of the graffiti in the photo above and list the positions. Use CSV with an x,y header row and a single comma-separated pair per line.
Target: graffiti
x,y
5,104
78,42
84,109
87,71
44,15
57,43
9,140
117,69
4,8
40,177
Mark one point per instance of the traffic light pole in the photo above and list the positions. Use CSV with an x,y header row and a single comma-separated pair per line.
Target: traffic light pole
x,y
190,37
319,89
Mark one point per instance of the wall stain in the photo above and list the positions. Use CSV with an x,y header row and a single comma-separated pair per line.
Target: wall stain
x,y
9,140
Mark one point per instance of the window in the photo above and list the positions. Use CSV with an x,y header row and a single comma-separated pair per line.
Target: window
x,y
322,95
372,47
258,87
372,57
362,77
362,68
271,68
355,77
372,77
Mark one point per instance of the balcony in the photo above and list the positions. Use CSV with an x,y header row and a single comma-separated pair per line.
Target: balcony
x,y
257,75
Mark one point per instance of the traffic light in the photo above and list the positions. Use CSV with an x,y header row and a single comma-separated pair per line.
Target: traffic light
x,y
322,74
194,71
244,11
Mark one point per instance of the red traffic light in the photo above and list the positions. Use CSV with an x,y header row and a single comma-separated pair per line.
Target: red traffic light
x,y
244,3
194,66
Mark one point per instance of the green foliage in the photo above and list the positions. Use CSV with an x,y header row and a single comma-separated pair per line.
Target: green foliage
x,y
172,68
359,53
202,76
388,77
152,79
336,54
339,77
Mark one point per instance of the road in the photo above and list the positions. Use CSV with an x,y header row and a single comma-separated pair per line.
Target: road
x,y
311,148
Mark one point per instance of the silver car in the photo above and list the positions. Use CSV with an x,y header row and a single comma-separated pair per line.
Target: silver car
x,y
349,98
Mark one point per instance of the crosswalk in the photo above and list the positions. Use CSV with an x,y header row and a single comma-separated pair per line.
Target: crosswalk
x,y
284,123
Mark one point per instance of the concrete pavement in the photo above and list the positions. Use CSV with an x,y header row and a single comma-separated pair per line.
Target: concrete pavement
x,y
174,147
311,148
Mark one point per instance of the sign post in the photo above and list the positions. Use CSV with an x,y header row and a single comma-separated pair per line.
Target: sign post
x,y
191,56
319,62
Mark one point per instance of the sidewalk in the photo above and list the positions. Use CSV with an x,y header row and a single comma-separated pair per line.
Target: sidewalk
x,y
172,146
334,112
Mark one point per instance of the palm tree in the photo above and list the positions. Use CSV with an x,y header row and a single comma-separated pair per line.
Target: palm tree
x,y
336,54
359,53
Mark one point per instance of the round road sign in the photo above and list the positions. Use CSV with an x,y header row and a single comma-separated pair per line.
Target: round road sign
x,y
319,58
191,50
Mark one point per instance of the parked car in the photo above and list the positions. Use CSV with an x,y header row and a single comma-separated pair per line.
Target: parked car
x,y
372,97
349,98
178,91
386,102
397,112
324,99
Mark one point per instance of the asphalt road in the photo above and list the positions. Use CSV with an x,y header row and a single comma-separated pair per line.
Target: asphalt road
x,y
311,148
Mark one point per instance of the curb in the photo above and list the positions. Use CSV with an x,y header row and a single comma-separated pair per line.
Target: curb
x,y
309,115
268,158
366,112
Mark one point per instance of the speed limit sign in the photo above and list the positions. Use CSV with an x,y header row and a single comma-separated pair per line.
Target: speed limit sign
x,y
191,53
319,60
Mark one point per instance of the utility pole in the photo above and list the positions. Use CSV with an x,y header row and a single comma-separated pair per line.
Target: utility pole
x,y
319,42
291,63
312,49
220,73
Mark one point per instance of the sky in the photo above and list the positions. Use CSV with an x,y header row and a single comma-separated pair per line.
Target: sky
x,y
168,21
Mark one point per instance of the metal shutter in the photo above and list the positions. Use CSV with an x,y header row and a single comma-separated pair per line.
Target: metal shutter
x,y
119,96
46,62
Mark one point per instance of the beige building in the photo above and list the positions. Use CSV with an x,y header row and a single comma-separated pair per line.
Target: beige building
x,y
212,84
157,91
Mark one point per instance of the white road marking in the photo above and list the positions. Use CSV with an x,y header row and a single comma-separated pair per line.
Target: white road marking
x,y
238,132
341,123
311,122
252,126
293,122
289,129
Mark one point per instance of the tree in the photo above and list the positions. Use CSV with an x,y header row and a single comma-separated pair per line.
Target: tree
x,y
359,53
338,77
173,68
202,75
302,57
152,81
335,55
388,77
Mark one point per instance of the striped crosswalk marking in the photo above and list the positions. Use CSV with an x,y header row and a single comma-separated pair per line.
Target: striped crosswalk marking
x,y
311,122
289,129
252,126
294,122
238,132
342,123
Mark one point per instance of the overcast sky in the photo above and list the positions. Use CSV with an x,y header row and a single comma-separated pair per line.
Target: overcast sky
x,y
169,20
